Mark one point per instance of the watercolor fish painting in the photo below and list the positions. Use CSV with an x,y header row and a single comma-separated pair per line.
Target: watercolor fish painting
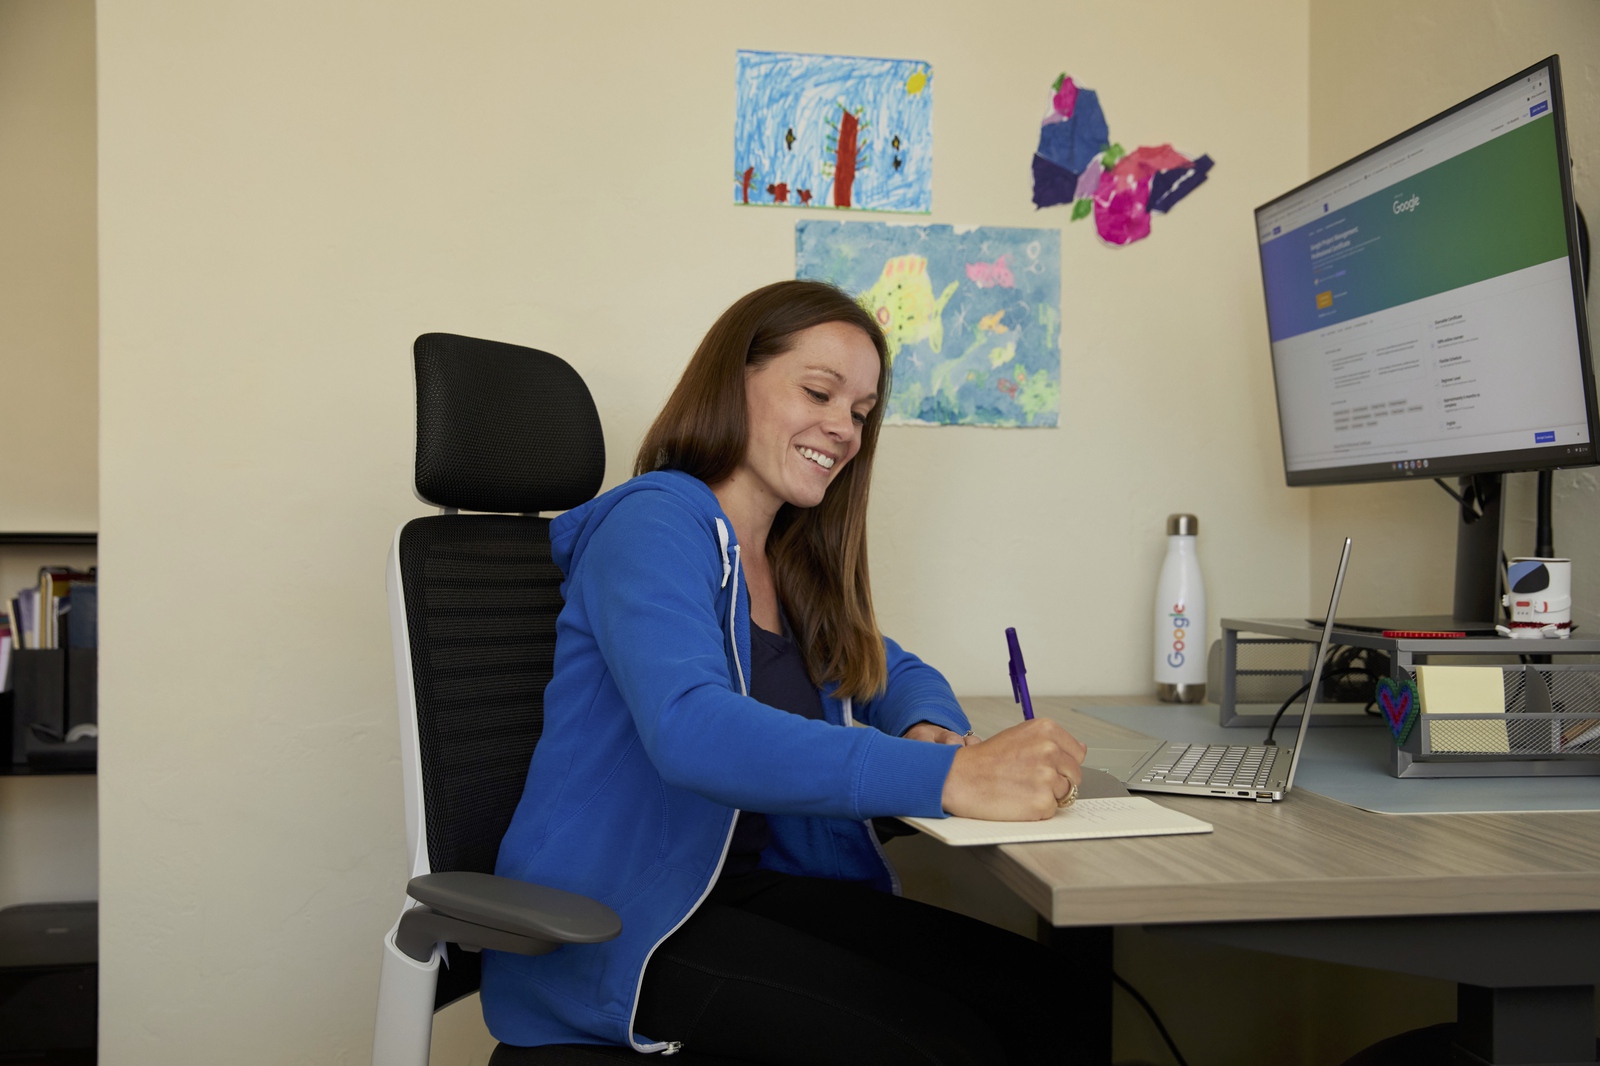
x,y
902,301
1077,163
972,315
845,132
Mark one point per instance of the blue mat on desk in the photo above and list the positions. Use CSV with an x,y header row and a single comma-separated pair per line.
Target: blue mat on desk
x,y
1352,766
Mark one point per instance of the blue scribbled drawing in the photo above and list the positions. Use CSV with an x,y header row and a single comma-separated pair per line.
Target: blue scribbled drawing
x,y
973,316
833,131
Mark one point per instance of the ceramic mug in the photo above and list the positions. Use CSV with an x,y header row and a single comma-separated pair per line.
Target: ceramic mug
x,y
1540,596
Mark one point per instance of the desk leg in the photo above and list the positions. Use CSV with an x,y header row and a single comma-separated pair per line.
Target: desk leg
x,y
1089,948
1525,981
1526,1025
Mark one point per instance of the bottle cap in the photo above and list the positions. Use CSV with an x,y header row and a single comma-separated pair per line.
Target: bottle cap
x,y
1182,525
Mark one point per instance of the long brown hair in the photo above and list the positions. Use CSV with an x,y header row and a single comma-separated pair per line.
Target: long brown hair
x,y
818,554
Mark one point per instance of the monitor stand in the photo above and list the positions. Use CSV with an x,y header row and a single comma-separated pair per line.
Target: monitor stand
x,y
1478,569
1416,623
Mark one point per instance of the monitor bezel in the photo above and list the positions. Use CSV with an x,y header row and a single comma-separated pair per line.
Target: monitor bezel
x,y
1501,462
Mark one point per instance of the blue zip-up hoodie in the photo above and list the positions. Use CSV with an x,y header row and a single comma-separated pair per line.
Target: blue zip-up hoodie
x,y
651,747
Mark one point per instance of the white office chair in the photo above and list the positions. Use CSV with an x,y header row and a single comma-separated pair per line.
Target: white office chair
x,y
473,600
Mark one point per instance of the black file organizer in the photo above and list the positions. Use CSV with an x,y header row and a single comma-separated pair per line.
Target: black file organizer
x,y
56,689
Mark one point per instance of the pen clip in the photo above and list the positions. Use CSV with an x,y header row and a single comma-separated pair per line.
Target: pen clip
x,y
1014,663
1019,674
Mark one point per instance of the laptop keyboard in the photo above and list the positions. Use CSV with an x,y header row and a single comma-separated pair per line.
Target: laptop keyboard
x,y
1212,765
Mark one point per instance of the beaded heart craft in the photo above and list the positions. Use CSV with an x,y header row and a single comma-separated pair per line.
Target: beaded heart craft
x,y
1398,701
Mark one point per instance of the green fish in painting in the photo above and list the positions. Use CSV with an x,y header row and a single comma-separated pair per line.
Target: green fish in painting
x,y
902,301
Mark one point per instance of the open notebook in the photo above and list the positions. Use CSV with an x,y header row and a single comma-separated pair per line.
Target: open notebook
x,y
1103,809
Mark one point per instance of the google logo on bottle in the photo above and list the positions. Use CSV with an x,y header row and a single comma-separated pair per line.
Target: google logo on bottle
x,y
1180,627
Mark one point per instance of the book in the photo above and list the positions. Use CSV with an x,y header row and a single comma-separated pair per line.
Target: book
x,y
24,627
55,586
83,617
1086,819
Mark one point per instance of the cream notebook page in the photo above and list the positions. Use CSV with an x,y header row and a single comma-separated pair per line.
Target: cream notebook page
x,y
1086,819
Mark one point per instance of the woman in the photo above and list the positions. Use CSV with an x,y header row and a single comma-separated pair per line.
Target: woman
x,y
717,634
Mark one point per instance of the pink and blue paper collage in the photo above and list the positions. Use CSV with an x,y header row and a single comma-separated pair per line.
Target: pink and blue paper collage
x,y
1077,163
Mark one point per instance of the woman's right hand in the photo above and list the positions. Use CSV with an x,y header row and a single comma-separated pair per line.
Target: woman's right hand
x,y
1018,775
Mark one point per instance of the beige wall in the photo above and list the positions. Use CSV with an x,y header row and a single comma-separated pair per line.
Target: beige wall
x,y
48,368
291,192
47,265
1377,68
48,842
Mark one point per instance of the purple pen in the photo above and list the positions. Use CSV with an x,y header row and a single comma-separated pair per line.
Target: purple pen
x,y
1019,675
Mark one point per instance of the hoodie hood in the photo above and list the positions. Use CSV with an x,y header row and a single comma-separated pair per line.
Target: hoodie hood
x,y
570,532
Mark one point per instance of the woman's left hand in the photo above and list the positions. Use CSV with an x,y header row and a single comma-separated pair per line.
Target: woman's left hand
x,y
938,734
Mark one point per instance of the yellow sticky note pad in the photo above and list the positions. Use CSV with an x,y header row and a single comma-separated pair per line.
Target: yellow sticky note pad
x,y
1464,690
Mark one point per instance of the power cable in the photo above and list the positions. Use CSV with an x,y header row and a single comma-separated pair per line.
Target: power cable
x,y
1301,691
1154,1017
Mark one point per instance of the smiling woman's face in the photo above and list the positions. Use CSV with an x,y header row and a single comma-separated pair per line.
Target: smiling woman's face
x,y
806,409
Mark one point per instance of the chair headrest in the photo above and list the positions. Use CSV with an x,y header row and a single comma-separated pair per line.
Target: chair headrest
x,y
503,428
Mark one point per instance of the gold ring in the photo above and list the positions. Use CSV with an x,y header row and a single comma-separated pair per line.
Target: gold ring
x,y
1072,794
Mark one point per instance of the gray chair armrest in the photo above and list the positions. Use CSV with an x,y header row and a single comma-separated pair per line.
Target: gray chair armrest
x,y
517,906
483,911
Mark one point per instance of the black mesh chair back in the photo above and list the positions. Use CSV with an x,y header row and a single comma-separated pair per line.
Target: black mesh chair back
x,y
500,428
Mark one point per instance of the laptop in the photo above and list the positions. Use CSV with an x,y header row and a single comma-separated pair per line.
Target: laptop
x,y
1234,771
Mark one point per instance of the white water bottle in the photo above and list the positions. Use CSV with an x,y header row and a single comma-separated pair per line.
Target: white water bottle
x,y
1181,617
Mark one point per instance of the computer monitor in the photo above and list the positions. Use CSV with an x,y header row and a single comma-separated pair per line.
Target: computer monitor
x,y
1426,312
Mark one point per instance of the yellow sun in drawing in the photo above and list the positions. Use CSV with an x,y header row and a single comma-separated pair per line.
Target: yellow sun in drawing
x,y
917,82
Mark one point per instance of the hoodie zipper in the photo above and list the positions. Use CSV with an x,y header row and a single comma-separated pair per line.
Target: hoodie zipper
x,y
883,857
733,611
672,1047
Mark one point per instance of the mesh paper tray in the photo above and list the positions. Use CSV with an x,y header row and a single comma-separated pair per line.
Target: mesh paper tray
x,y
1254,675
1551,726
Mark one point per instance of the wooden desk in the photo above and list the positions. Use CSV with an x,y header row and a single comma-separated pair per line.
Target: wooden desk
x,y
1507,905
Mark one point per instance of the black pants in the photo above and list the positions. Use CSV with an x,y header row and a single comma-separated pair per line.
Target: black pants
x,y
779,969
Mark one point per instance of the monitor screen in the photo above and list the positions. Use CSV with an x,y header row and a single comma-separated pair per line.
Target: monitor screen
x,y
1424,301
